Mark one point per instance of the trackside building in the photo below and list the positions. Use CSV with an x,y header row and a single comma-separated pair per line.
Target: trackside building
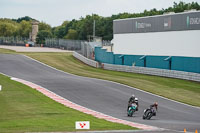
x,y
169,41
163,35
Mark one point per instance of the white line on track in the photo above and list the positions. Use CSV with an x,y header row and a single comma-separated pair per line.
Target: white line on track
x,y
115,83
157,129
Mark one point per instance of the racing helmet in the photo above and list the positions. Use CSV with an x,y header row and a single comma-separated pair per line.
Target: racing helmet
x,y
136,99
133,96
156,104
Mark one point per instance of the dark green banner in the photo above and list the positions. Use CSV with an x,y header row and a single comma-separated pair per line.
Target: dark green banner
x,y
161,23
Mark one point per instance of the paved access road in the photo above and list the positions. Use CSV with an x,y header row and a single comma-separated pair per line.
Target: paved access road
x,y
103,96
32,49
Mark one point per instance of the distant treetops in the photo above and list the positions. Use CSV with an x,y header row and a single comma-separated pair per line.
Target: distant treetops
x,y
80,29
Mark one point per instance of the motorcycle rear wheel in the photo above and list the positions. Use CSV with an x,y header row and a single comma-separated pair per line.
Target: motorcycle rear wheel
x,y
149,115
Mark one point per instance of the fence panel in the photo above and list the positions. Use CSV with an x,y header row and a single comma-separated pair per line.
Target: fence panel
x,y
14,41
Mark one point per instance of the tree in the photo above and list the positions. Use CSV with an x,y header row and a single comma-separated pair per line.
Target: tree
x,y
65,23
25,28
195,5
8,29
59,32
42,35
72,34
26,18
44,26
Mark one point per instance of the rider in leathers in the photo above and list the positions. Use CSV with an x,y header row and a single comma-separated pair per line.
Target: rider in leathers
x,y
155,105
133,99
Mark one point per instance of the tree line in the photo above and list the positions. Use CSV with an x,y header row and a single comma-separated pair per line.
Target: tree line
x,y
82,28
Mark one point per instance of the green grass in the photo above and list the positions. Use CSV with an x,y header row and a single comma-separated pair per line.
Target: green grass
x,y
34,112
176,89
23,109
7,51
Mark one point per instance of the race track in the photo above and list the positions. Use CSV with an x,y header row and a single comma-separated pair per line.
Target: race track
x,y
102,96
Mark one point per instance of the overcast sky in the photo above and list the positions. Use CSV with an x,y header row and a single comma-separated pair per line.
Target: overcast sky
x,y
54,12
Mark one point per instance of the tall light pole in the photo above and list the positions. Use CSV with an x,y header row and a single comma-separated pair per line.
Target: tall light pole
x,y
94,29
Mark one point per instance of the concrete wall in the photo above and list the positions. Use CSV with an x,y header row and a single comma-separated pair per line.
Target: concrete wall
x,y
142,70
86,60
101,55
187,64
133,60
157,62
154,71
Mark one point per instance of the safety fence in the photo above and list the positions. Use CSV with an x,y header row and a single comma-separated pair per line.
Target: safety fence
x,y
63,44
87,50
84,48
142,70
14,41
86,60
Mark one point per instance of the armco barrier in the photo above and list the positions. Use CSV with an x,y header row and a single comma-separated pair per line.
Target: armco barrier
x,y
86,60
141,70
154,71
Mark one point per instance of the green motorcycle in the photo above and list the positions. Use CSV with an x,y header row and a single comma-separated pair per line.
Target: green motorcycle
x,y
131,109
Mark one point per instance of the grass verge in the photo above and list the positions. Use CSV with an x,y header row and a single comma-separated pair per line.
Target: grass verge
x,y
176,89
7,51
23,109
180,90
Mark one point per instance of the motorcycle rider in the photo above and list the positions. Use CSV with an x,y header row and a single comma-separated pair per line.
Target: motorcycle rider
x,y
132,100
155,105
148,113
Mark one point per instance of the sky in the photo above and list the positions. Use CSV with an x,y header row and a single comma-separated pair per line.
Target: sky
x,y
55,12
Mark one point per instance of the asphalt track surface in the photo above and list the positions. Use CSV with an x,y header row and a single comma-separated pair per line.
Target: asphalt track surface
x,y
103,96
